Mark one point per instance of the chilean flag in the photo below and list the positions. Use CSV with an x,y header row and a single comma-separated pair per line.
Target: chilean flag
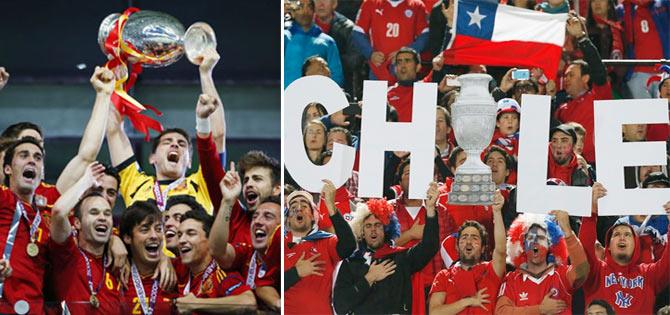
x,y
502,35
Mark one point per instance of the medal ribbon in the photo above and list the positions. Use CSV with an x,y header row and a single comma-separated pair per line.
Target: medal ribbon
x,y
251,275
139,289
36,221
124,103
89,274
208,272
161,196
14,227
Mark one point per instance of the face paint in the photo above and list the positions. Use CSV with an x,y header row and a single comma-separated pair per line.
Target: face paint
x,y
536,245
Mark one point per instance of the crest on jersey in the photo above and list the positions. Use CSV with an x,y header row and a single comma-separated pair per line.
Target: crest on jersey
x,y
261,271
408,13
207,286
40,201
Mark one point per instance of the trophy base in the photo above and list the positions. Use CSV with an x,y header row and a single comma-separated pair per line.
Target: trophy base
x,y
472,189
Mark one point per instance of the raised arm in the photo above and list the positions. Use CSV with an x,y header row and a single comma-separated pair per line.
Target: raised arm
x,y
579,265
218,118
587,232
210,163
346,242
499,236
661,266
91,141
60,227
421,253
222,251
118,143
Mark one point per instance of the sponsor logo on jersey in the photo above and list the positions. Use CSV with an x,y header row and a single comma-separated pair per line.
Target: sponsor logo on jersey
x,y
394,98
523,296
379,11
289,255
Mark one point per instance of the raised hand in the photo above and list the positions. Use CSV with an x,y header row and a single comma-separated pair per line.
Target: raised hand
x,y
94,174
230,185
328,194
597,191
207,104
309,266
498,201
208,60
377,58
102,80
563,221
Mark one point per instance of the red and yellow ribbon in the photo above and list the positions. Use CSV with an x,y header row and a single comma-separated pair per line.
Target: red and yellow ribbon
x,y
124,103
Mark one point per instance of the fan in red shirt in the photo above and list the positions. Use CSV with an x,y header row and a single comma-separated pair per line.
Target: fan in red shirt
x,y
621,279
141,229
206,287
383,27
468,286
543,283
407,66
83,280
22,165
310,255
259,261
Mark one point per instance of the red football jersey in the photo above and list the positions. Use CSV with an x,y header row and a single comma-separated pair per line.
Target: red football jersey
x,y
217,284
525,290
312,294
267,264
459,283
132,304
647,40
240,225
400,97
71,281
391,25
27,277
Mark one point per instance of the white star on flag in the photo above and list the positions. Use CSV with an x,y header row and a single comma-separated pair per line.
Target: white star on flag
x,y
476,18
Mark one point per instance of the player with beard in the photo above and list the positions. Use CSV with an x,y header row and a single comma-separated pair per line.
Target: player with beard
x,y
21,220
82,279
310,255
170,156
563,163
259,261
542,283
260,180
621,279
206,287
380,277
142,232
469,285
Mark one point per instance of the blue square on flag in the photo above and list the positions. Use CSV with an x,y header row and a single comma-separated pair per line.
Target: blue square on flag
x,y
476,18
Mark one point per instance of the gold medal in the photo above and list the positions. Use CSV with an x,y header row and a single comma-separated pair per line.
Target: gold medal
x,y
32,249
94,301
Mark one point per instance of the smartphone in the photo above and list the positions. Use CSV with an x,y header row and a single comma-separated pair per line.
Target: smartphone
x,y
521,74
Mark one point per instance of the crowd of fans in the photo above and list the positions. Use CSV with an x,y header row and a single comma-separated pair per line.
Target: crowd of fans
x,y
187,241
344,254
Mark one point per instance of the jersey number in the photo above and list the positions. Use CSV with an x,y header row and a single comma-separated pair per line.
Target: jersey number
x,y
392,29
645,26
137,310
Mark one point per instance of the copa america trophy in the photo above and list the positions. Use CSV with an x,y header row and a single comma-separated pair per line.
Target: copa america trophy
x,y
474,118
157,39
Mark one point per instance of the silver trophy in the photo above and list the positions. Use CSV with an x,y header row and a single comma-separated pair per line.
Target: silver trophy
x,y
159,38
474,118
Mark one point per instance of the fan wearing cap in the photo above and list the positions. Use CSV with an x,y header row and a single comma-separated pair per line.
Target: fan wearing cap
x,y
310,255
563,162
651,229
622,279
380,277
506,134
543,282
471,284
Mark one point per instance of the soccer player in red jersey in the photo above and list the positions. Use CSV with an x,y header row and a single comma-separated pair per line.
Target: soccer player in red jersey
x,y
82,279
174,210
542,282
621,279
206,287
142,231
254,261
470,285
20,219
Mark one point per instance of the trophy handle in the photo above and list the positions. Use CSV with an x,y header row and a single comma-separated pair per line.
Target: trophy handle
x,y
198,38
